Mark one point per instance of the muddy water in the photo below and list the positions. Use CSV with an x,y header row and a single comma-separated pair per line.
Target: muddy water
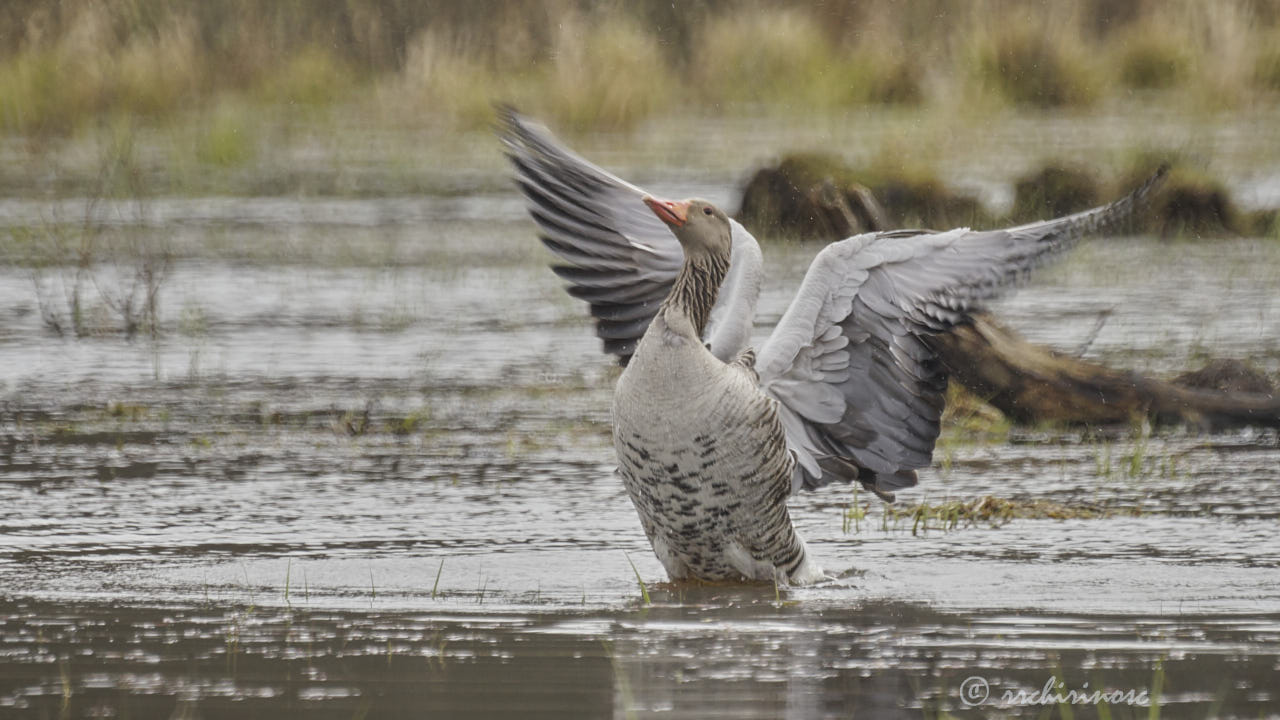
x,y
364,470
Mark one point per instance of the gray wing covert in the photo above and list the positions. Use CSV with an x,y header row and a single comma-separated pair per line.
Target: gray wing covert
x,y
861,391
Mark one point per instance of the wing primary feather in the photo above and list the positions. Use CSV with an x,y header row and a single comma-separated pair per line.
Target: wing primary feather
x,y
887,294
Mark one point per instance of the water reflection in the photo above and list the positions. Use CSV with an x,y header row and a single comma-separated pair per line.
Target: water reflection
x,y
728,654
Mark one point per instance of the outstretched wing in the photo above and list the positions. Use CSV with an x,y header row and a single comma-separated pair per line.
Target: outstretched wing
x,y
621,259
860,389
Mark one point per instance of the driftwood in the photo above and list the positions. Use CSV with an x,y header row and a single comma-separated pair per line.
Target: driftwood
x,y
1029,383
1034,384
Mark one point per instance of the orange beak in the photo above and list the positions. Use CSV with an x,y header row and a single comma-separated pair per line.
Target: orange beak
x,y
673,213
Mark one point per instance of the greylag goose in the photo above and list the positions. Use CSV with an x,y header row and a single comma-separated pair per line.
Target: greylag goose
x,y
712,439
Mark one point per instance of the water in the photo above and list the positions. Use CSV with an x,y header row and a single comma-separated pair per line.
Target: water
x,y
364,469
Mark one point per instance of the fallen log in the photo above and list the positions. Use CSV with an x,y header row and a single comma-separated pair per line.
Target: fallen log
x,y
1032,384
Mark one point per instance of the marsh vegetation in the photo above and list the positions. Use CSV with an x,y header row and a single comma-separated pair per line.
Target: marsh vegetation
x,y
606,65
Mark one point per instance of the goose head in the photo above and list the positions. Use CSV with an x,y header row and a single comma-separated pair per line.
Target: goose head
x,y
701,228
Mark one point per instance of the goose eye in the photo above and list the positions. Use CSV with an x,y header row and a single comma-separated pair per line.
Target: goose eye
x,y
706,211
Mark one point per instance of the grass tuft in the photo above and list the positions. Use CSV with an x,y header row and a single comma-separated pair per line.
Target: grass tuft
x,y
312,77
1266,66
1055,190
774,55
1027,64
1153,56
227,141
436,586
1192,203
608,75
442,80
644,590
989,511
156,74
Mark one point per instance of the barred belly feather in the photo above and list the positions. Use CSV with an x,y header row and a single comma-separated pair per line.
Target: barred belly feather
x,y
702,453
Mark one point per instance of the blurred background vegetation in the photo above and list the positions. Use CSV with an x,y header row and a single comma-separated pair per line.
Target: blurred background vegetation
x,y
605,65
208,72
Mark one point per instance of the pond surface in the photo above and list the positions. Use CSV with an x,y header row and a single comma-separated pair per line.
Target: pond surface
x,y
364,470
